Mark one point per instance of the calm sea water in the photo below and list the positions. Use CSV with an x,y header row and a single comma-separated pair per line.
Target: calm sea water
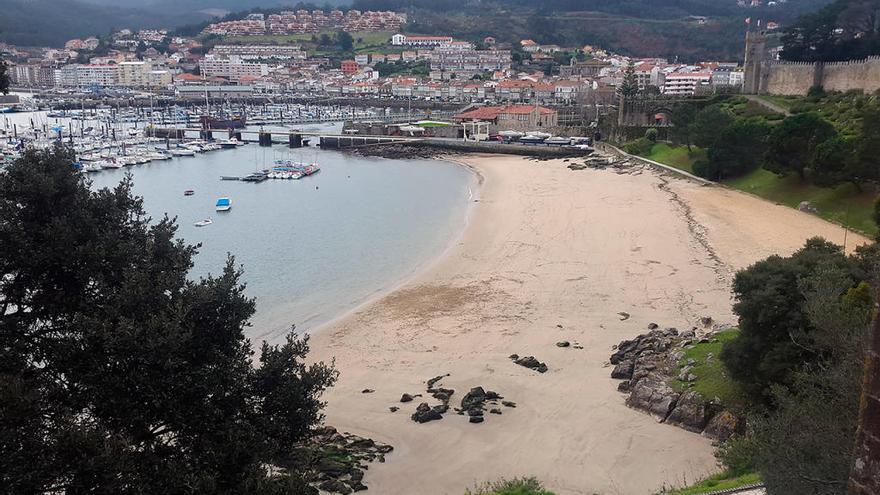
x,y
315,248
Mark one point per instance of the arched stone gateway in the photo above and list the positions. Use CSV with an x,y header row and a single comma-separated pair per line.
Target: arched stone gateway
x,y
653,112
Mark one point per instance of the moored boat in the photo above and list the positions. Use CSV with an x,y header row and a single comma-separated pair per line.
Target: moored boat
x,y
204,223
223,204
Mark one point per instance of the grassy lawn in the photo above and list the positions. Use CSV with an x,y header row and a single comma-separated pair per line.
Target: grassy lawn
x,y
712,380
720,481
843,204
785,102
676,156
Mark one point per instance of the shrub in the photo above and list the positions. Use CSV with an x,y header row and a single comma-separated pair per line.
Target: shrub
x,y
706,169
651,135
640,146
515,486
738,455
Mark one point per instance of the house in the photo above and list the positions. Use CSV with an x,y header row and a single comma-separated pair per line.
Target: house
x,y
349,67
529,46
512,117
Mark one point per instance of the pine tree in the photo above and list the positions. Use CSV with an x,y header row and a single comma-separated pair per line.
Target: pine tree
x,y
630,85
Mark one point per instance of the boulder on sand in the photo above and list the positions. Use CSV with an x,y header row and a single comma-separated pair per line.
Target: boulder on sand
x,y
425,413
532,363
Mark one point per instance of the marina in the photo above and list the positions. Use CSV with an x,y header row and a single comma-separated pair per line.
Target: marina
x,y
295,238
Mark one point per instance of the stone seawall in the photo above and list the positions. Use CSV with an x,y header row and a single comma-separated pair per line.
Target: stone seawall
x,y
542,151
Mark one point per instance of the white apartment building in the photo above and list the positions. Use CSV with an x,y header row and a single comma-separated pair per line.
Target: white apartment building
x,y
84,76
403,40
232,67
32,75
686,83
260,52
467,62
134,74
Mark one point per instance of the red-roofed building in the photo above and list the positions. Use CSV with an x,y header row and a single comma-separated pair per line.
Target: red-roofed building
x,y
349,67
512,117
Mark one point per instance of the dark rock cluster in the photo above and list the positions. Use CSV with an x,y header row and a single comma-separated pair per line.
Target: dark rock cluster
x,y
648,363
425,412
473,404
600,161
529,362
335,462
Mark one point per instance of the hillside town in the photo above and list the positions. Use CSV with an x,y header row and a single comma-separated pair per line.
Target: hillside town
x,y
284,53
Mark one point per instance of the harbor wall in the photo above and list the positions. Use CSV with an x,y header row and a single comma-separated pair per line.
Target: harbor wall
x,y
542,151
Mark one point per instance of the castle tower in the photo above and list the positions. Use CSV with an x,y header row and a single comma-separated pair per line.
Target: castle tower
x,y
756,50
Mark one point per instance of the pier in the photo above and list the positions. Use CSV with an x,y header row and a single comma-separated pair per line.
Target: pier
x,y
266,137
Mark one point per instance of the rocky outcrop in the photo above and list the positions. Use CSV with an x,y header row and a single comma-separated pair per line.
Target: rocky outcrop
x,y
649,364
723,425
653,395
334,462
691,412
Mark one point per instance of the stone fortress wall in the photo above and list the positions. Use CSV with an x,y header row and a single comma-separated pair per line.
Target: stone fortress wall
x,y
765,76
796,78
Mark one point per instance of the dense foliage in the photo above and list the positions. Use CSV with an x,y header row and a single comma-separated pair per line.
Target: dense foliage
x,y
793,143
829,139
806,321
776,326
118,374
843,30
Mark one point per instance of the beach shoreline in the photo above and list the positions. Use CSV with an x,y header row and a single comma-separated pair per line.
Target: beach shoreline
x,y
423,266
548,254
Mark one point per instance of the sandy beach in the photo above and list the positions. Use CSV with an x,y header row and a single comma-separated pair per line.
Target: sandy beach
x,y
550,254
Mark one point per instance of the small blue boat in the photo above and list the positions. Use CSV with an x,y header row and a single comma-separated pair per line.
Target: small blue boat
x,y
224,204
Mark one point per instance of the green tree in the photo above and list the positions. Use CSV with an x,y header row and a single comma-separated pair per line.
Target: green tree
x,y
805,443
793,143
708,125
865,164
346,42
834,162
629,87
682,118
736,151
119,374
773,316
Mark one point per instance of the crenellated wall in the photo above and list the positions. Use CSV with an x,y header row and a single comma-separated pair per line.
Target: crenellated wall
x,y
855,74
796,78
